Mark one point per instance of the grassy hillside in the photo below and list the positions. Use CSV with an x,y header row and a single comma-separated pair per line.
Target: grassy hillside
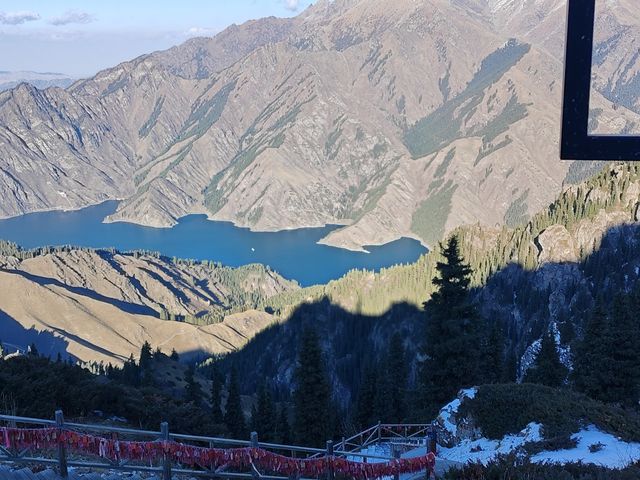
x,y
199,292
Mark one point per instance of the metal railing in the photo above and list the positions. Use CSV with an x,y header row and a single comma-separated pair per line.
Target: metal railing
x,y
405,433
398,435
63,460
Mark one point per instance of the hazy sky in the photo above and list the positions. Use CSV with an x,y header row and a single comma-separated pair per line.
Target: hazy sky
x,y
80,37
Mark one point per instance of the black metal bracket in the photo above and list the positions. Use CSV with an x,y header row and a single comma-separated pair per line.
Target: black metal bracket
x,y
576,143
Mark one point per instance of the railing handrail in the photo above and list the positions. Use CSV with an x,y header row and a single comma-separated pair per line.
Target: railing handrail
x,y
185,437
165,467
388,426
382,426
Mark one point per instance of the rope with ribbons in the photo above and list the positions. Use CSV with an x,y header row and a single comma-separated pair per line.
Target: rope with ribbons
x,y
213,458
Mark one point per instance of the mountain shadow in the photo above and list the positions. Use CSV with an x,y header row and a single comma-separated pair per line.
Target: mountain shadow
x,y
525,302
350,342
15,338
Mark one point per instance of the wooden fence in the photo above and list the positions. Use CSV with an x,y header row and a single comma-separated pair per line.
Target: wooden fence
x,y
398,435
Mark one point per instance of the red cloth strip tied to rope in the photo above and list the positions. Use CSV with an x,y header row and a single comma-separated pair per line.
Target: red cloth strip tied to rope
x,y
189,455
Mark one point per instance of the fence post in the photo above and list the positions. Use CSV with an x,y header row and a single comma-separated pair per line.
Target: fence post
x,y
433,440
342,444
379,430
395,450
254,444
62,453
330,458
166,460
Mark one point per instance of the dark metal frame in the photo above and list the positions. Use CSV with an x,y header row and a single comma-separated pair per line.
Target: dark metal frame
x,y
576,143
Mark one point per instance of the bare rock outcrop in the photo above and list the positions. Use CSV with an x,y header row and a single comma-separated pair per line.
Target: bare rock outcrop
x,y
556,245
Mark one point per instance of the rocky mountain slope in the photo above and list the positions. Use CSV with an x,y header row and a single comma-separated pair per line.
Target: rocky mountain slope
x,y
103,305
397,120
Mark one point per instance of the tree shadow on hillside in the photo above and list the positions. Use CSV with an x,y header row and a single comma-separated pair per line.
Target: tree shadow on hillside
x,y
16,338
524,301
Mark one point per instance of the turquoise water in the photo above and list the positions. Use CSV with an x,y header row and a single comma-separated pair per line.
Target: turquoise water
x,y
293,253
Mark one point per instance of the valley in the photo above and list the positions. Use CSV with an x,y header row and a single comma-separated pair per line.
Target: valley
x,y
339,128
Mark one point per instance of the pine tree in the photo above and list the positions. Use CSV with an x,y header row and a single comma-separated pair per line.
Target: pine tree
x,y
312,394
382,401
282,426
510,370
592,355
264,421
397,372
216,396
253,419
145,356
365,407
193,390
547,368
623,367
234,417
174,355
452,333
144,364
131,372
494,361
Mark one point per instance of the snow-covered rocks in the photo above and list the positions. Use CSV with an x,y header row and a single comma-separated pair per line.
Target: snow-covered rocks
x,y
452,428
484,450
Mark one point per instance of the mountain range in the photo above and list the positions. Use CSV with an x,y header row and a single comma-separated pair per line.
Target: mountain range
x,y
402,119
9,80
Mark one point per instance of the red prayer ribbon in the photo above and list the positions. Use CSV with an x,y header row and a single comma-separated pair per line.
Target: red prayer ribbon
x,y
236,458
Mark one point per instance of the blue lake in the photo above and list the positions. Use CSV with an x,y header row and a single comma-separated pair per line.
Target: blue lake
x,y
294,254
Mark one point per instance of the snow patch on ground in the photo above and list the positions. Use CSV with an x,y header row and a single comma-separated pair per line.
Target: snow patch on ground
x,y
484,450
611,452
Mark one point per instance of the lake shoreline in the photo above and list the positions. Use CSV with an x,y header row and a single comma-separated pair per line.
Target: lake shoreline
x,y
296,254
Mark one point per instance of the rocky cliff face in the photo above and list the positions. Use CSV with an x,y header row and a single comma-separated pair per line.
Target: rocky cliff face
x,y
403,119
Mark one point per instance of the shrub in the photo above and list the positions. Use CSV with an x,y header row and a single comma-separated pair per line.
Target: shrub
x,y
514,468
508,408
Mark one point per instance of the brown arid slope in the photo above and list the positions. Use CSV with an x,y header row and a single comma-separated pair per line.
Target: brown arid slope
x,y
105,305
404,118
